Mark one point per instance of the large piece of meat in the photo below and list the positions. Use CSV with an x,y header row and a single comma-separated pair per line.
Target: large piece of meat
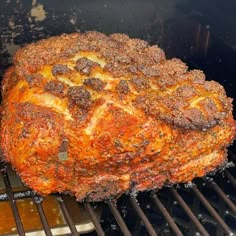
x,y
98,115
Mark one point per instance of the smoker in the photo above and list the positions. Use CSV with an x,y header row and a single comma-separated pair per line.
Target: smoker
x,y
202,34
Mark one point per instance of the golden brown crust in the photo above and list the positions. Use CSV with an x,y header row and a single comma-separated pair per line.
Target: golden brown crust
x,y
96,115
140,64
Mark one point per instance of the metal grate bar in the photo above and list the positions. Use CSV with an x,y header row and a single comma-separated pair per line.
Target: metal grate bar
x,y
38,202
231,178
189,212
10,195
67,216
143,217
225,198
166,214
16,195
96,223
212,211
119,219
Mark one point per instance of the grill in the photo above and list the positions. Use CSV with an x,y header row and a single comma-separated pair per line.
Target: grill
x,y
204,207
205,36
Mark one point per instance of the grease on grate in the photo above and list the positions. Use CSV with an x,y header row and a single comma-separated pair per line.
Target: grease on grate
x,y
29,215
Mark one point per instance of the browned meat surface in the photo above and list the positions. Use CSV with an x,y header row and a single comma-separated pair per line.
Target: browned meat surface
x,y
98,115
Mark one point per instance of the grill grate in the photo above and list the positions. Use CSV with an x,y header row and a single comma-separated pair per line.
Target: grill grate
x,y
207,207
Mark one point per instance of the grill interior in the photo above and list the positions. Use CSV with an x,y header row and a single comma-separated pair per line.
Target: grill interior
x,y
201,33
204,207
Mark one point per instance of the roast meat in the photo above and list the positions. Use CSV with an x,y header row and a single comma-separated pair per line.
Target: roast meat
x,y
97,116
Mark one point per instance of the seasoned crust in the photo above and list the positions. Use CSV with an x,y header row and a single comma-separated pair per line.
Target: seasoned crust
x,y
84,65
95,83
98,115
123,87
59,69
46,51
34,79
137,70
140,83
56,88
79,96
